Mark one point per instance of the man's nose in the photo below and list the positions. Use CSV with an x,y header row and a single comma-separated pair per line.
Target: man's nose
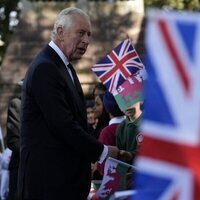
x,y
86,39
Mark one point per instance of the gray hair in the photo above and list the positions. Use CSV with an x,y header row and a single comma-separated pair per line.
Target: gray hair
x,y
65,19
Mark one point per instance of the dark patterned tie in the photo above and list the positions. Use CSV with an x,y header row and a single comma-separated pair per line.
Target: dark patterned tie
x,y
76,80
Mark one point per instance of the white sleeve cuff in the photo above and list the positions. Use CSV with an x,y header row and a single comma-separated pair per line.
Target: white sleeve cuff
x,y
103,154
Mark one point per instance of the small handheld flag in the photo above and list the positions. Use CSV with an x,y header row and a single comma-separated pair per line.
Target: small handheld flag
x,y
114,179
118,65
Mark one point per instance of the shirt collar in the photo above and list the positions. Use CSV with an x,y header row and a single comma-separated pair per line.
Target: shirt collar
x,y
59,52
116,120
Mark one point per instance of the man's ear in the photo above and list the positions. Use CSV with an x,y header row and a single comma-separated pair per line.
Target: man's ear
x,y
60,33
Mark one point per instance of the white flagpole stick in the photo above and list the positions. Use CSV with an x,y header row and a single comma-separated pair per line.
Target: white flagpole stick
x,y
1,138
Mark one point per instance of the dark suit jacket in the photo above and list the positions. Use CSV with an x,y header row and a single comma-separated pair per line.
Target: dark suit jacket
x,y
13,128
56,150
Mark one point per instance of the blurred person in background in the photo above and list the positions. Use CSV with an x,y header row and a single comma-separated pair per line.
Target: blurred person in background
x,y
102,119
128,133
108,134
101,115
99,88
4,186
90,116
13,142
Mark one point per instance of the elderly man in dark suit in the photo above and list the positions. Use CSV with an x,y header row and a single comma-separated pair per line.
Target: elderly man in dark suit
x,y
56,149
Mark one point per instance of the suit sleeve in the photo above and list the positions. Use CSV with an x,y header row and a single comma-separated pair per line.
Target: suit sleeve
x,y
13,125
55,101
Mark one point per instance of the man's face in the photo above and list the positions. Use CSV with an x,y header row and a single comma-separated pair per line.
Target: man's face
x,y
77,38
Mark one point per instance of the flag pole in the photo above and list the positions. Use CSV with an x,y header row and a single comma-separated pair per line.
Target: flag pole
x,y
123,163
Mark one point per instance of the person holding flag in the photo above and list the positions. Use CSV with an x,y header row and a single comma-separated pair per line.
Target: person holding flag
x,y
128,134
122,72
130,98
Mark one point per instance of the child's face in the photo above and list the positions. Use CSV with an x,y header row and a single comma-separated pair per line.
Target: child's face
x,y
97,92
90,115
98,108
131,111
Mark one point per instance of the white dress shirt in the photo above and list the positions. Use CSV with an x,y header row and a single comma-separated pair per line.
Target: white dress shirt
x,y
62,56
117,120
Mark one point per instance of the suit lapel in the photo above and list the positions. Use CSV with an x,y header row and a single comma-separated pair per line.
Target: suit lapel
x,y
75,87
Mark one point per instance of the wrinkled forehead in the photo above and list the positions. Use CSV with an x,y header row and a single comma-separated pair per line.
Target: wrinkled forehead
x,y
81,23
76,18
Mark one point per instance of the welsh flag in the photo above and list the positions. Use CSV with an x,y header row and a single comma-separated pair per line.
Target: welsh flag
x,y
114,179
130,92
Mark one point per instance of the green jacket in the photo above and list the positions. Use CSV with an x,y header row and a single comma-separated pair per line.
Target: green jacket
x,y
128,135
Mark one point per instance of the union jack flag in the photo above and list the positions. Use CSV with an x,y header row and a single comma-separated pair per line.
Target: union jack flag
x,y
118,65
168,162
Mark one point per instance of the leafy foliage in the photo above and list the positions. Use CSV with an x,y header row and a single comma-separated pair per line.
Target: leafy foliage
x,y
191,5
6,8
